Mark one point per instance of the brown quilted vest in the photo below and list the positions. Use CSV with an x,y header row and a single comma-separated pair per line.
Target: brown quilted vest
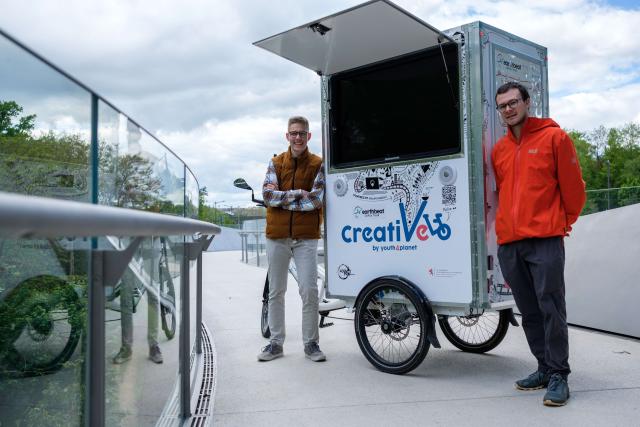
x,y
293,174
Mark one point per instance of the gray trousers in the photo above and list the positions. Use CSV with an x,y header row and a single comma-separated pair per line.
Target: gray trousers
x,y
304,253
534,269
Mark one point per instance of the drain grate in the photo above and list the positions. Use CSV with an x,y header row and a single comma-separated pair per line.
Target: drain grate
x,y
204,408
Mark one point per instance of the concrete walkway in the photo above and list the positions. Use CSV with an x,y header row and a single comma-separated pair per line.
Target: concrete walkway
x,y
449,388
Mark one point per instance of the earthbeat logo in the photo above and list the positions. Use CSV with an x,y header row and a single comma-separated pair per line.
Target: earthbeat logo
x,y
367,213
399,232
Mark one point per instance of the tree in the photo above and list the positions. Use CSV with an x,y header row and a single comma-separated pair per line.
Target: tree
x,y
9,111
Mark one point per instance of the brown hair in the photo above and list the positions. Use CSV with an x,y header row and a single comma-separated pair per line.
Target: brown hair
x,y
506,87
298,119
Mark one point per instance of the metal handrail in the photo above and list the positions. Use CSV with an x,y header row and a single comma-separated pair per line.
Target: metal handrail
x,y
24,216
29,216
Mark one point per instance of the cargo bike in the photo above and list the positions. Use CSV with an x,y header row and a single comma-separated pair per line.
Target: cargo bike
x,y
408,123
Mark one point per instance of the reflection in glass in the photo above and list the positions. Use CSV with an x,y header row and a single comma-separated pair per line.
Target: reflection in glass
x,y
44,151
44,129
141,333
42,319
191,195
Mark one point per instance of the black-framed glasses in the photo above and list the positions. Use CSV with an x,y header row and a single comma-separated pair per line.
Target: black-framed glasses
x,y
301,134
511,104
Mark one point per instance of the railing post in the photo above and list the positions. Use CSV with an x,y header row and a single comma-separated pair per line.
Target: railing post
x,y
94,364
258,249
184,352
199,305
246,247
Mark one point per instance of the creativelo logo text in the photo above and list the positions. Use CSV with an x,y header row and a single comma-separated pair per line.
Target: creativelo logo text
x,y
399,232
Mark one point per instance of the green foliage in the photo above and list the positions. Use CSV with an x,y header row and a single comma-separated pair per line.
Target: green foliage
x,y
9,111
610,159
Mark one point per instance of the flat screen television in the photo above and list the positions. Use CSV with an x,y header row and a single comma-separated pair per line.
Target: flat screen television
x,y
401,109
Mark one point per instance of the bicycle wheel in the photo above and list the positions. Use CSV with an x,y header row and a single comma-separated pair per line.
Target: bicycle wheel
x,y
41,324
475,334
391,326
167,302
264,317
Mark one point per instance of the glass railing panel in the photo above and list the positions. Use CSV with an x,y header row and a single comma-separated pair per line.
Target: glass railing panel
x,y
43,300
142,331
191,195
164,175
44,128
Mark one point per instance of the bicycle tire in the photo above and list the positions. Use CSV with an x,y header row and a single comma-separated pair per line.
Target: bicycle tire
x,y
46,320
475,334
391,320
167,302
264,316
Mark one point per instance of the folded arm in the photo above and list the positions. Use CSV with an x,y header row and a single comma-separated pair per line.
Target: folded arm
x,y
293,200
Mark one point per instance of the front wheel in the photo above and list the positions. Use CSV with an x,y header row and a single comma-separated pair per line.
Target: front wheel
x,y
167,302
477,333
41,321
391,326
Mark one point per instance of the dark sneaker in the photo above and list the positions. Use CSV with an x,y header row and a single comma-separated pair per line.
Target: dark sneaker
x,y
154,354
123,355
271,351
535,381
558,391
312,351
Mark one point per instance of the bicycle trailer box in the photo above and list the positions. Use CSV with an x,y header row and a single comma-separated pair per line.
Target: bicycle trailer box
x,y
409,120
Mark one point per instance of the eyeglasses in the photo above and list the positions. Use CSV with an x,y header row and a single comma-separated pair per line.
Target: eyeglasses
x,y
511,104
301,134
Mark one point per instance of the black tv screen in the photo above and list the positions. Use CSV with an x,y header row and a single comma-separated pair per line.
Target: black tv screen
x,y
401,109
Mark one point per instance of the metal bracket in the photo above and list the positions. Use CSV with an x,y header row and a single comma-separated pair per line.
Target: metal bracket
x,y
195,248
116,262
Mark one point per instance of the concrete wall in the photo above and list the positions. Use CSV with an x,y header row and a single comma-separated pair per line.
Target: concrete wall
x,y
227,240
603,271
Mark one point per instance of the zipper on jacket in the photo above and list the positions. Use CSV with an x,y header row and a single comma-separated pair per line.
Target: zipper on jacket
x,y
516,187
293,183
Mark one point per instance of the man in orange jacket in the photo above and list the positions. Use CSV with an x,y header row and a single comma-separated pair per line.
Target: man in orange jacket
x,y
541,194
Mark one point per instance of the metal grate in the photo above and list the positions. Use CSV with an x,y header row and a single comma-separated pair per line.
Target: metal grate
x,y
204,408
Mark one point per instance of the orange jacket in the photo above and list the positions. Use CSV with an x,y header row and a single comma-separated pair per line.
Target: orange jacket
x,y
540,186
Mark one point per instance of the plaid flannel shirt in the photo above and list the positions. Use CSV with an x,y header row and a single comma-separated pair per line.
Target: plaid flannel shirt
x,y
293,200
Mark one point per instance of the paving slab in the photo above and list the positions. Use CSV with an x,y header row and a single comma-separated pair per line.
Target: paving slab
x,y
449,388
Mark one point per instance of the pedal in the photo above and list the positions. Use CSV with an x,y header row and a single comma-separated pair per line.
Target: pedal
x,y
324,325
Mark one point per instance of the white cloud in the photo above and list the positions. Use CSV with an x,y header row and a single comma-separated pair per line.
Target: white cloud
x,y
187,71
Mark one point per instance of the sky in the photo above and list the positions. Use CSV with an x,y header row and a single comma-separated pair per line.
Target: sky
x,y
187,71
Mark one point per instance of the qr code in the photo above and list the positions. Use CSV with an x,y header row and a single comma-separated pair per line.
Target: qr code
x,y
448,194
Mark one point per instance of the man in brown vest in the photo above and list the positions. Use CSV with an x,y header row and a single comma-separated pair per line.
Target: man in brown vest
x,y
293,192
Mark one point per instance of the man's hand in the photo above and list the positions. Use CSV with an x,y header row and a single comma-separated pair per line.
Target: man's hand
x,y
304,193
270,187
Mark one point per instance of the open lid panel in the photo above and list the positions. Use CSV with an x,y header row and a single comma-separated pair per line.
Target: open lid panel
x,y
368,33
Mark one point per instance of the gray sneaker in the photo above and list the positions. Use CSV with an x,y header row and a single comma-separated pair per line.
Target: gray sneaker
x,y
123,355
271,351
312,351
154,354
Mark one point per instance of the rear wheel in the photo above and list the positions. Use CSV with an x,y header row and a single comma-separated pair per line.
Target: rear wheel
x,y
264,317
391,326
478,333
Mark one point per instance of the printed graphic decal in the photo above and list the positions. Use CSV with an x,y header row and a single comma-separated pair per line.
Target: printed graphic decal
x,y
407,184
